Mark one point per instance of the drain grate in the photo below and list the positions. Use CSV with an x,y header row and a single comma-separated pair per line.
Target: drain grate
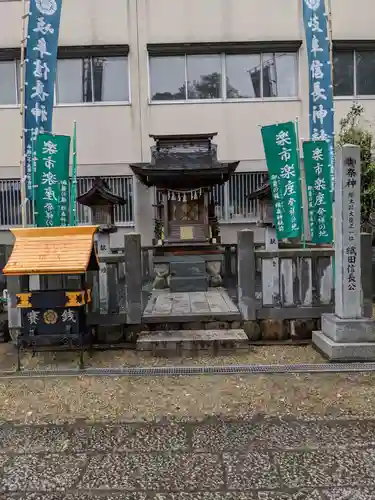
x,y
175,371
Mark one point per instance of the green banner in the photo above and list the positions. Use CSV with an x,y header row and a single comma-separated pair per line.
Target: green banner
x,y
52,180
280,147
317,163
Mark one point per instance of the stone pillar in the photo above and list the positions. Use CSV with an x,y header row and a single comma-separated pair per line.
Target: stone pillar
x,y
133,278
104,249
144,212
14,285
270,270
246,274
347,335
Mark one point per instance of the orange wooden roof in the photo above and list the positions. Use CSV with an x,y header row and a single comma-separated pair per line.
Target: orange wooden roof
x,y
52,250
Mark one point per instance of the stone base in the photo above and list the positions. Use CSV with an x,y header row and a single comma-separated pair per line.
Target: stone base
x,y
343,351
348,330
166,342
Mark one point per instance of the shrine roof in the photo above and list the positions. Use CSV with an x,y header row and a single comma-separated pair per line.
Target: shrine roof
x,y
183,137
52,250
100,194
263,192
186,174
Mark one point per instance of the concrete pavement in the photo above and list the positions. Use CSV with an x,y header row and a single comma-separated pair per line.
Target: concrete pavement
x,y
256,460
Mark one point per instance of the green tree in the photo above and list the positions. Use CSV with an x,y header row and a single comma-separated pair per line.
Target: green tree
x,y
353,132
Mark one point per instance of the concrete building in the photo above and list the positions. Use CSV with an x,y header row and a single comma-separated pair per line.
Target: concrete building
x,y
130,68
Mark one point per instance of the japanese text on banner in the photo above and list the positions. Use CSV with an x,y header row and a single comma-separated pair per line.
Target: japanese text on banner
x,y
280,146
52,180
316,162
320,76
40,74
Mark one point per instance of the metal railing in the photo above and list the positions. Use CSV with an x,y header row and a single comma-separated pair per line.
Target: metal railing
x,y
10,201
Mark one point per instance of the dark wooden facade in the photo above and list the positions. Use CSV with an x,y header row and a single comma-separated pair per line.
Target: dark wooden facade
x,y
185,169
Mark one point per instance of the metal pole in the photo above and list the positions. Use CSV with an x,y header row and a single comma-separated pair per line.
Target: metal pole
x,y
296,125
73,187
25,15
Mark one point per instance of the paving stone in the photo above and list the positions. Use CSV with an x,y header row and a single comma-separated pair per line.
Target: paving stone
x,y
326,468
165,472
297,495
250,471
349,494
143,438
223,437
205,496
182,472
25,439
282,435
117,472
106,496
77,496
294,435
42,472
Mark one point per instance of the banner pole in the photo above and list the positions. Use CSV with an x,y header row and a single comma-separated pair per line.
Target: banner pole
x,y
22,115
73,188
296,125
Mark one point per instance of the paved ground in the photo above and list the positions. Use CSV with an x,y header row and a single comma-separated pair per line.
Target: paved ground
x,y
255,460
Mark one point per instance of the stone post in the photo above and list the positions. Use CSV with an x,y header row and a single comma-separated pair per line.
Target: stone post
x,y
133,278
103,245
271,270
347,335
14,285
144,212
246,274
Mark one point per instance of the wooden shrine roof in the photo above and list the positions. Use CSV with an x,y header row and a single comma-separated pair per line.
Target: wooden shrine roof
x,y
100,194
52,250
183,176
263,192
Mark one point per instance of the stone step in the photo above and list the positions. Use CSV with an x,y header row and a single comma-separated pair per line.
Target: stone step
x,y
188,268
189,283
192,340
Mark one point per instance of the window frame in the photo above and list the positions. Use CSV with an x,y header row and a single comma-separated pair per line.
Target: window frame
x,y
72,52
93,102
223,66
354,49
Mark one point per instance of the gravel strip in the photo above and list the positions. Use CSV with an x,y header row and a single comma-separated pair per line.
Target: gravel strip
x,y
116,399
276,354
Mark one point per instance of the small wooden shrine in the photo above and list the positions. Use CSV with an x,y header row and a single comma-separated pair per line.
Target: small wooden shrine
x,y
102,203
185,169
53,316
264,195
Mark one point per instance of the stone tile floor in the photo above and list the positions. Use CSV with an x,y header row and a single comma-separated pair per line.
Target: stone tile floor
x,y
258,459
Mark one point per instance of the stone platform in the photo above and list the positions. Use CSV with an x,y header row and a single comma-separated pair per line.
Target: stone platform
x,y
346,339
192,340
179,307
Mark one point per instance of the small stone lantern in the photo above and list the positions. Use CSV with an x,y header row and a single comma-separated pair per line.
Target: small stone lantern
x,y
267,220
102,202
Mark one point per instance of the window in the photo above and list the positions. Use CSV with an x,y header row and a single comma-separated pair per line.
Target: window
x,y
8,85
92,79
343,71
353,72
223,76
